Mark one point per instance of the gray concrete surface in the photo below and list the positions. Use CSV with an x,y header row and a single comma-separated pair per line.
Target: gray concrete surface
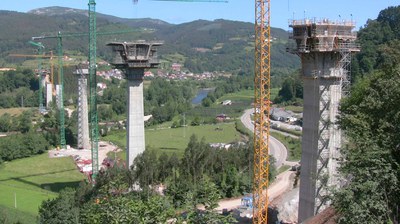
x,y
135,130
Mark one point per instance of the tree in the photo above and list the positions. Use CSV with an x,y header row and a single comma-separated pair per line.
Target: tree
x,y
195,158
206,102
206,194
22,145
144,169
292,88
60,210
128,209
5,122
105,112
195,121
25,121
371,121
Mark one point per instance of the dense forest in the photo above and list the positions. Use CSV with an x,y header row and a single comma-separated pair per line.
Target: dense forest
x,y
19,88
370,118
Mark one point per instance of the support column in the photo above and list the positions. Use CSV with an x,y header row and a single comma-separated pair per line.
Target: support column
x,y
321,136
83,119
49,94
133,58
135,123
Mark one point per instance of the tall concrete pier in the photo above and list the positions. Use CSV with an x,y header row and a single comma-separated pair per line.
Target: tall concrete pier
x,y
133,58
83,116
49,94
325,49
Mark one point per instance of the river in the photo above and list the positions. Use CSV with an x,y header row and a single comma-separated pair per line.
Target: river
x,y
201,94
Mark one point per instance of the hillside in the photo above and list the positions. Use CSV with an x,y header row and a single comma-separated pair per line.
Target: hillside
x,y
219,45
58,11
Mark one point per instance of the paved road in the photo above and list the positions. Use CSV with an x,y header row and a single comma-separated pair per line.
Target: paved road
x,y
277,149
281,184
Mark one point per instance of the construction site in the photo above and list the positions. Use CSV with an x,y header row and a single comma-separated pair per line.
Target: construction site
x,y
325,48
301,193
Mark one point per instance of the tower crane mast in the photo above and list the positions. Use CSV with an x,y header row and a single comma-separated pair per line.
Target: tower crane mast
x,y
61,81
40,47
262,85
92,77
94,136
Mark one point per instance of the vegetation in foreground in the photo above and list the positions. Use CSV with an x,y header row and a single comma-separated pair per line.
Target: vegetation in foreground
x,y
371,121
12,216
201,177
292,145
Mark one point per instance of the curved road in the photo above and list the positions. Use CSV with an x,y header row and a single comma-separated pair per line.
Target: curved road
x,y
276,149
282,182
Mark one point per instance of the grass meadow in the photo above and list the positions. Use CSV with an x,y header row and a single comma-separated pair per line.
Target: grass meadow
x,y
31,180
175,140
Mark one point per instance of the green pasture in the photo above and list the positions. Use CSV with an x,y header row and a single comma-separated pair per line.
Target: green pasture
x,y
14,111
172,140
12,216
292,145
31,180
296,109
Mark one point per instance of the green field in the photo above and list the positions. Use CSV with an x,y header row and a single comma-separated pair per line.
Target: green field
x,y
293,145
171,140
240,101
12,216
283,168
32,180
296,109
244,95
14,111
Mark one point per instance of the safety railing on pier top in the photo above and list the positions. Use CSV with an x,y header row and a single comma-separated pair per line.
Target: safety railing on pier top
x,y
326,22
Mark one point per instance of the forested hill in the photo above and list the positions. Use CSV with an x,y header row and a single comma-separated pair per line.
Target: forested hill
x,y
370,120
219,45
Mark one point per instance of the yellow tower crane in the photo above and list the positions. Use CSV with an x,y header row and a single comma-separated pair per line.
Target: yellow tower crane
x,y
262,101
262,85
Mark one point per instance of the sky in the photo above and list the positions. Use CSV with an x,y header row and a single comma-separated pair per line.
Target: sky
x,y
240,10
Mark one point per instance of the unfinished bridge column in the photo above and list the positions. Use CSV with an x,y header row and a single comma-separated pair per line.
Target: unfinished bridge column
x,y
325,49
135,123
133,58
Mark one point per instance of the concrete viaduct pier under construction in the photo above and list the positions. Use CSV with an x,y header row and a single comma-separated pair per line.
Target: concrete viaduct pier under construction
x,y
325,49
83,117
133,58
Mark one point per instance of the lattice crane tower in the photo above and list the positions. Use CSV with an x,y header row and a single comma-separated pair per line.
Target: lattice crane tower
x,y
133,58
94,129
261,110
325,49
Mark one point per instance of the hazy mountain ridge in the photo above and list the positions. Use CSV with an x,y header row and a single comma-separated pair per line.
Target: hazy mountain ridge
x,y
142,22
200,45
